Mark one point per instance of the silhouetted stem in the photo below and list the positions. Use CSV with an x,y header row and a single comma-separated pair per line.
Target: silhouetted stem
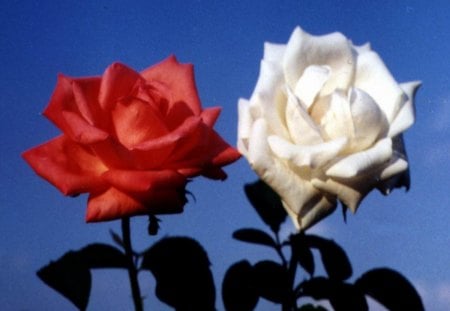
x,y
132,270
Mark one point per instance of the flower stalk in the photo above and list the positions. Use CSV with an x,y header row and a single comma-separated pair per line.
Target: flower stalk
x,y
131,267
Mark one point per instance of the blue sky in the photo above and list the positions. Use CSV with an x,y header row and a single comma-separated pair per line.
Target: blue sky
x,y
224,40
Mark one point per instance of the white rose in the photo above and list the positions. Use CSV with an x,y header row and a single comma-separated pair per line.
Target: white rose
x,y
324,123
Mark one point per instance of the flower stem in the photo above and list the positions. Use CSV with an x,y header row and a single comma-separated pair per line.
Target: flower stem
x,y
132,270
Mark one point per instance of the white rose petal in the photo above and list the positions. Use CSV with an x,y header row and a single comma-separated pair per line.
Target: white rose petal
x,y
374,78
302,129
406,116
311,156
244,125
274,52
333,50
311,83
363,162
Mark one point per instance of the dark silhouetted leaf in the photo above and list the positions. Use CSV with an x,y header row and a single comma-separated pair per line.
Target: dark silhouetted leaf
x,y
272,281
183,277
391,289
302,253
342,296
310,307
99,255
255,236
69,276
334,258
267,204
238,289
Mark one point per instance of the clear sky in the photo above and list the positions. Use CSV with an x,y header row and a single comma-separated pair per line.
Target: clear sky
x,y
408,232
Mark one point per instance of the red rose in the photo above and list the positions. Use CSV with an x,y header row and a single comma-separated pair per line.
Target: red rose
x,y
131,140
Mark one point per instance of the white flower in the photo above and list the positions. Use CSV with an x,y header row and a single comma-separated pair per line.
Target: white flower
x,y
325,123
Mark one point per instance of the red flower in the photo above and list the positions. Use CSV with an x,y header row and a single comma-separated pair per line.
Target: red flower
x,y
131,140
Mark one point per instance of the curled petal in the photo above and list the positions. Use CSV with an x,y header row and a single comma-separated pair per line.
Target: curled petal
x,y
70,167
142,181
136,122
375,79
244,125
406,116
210,115
179,78
85,92
333,50
310,83
363,162
185,129
334,116
117,82
81,131
61,100
274,52
115,204
312,156
349,194
302,128
315,212
293,190
369,122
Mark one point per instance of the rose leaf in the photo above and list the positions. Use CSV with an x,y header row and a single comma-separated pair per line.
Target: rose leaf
x,y
391,289
69,276
238,289
255,236
271,281
267,204
334,259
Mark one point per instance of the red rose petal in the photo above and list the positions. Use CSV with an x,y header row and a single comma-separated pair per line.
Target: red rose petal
x,y
117,82
142,181
115,204
67,165
136,121
210,115
180,80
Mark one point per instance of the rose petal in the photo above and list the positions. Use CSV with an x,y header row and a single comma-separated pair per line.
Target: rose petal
x,y
244,125
406,116
136,122
369,122
274,52
85,92
350,195
81,131
293,190
269,98
312,156
333,50
310,83
117,82
67,165
363,162
210,115
334,116
115,204
62,99
142,181
302,128
374,78
315,212
179,78
185,129
209,152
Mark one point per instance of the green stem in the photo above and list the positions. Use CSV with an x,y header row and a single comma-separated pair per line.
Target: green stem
x,y
132,270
